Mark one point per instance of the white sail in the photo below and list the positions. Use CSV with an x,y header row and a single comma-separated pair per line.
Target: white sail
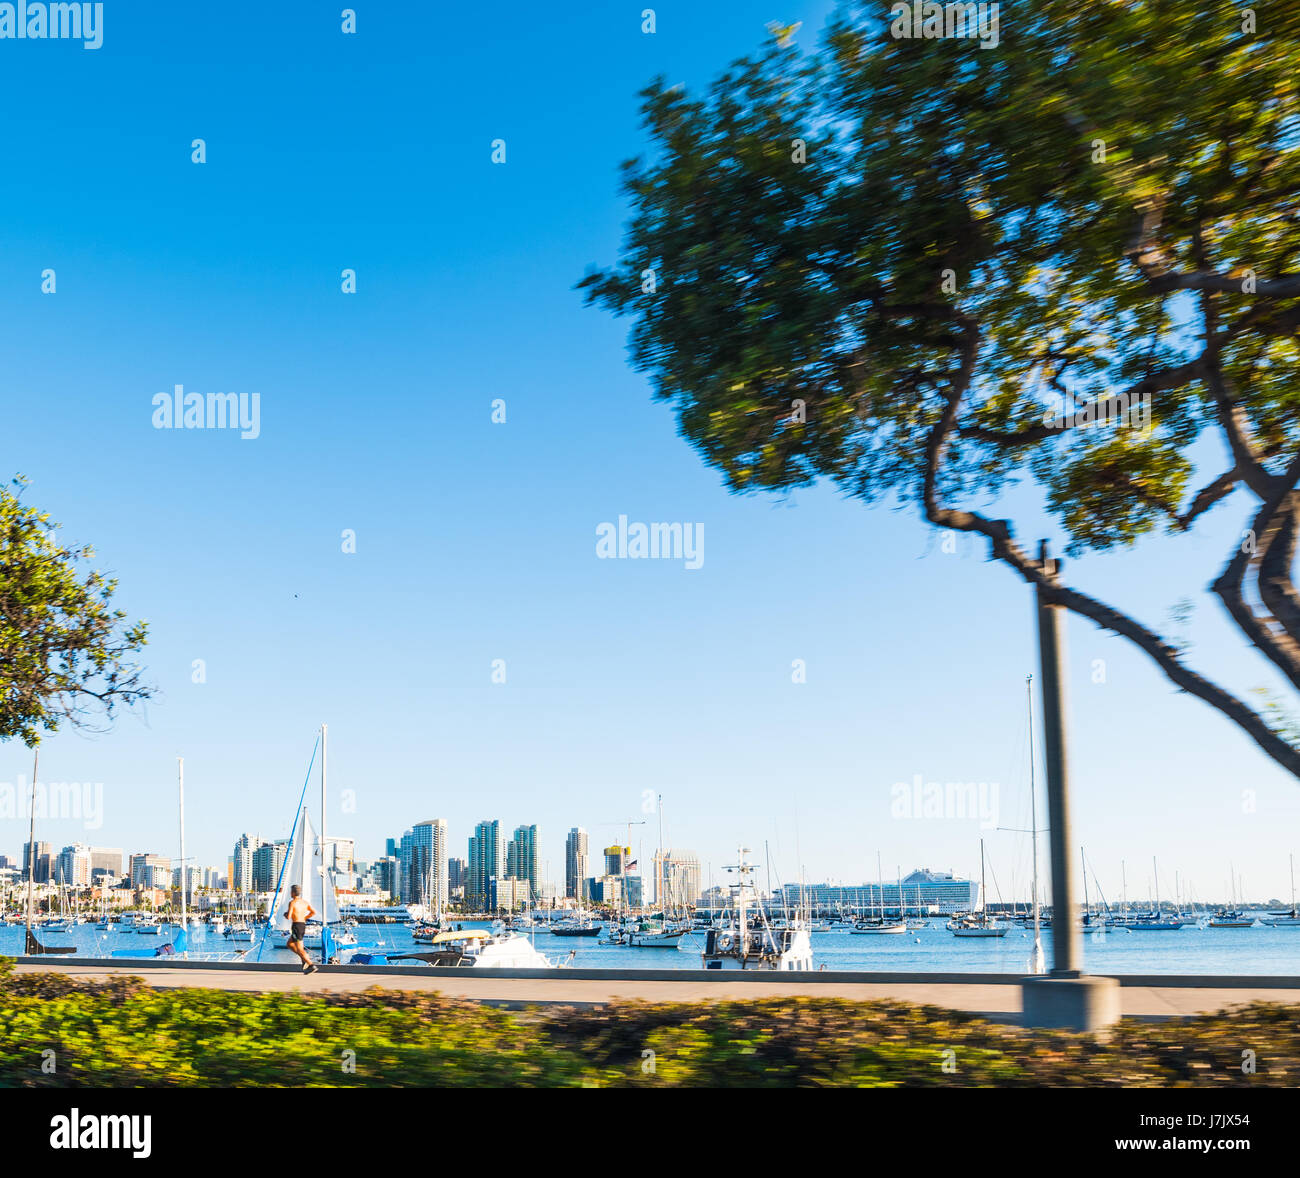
x,y
303,868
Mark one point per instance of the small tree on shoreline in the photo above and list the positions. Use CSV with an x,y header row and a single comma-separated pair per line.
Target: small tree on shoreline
x,y
65,652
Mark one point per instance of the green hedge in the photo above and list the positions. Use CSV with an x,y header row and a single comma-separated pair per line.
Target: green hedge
x,y
124,1034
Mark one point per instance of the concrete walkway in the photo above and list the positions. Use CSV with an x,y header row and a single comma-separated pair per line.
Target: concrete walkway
x,y
995,996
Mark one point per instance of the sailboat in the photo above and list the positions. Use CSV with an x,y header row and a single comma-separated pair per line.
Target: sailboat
x,y
977,924
577,924
655,930
1286,919
31,945
304,865
180,943
1231,917
878,925
1153,921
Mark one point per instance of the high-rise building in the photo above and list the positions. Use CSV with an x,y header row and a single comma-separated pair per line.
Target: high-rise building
x,y
424,864
616,859
386,873
241,863
508,893
486,863
268,861
340,854
73,866
193,877
680,875
39,869
456,875
151,871
575,863
107,860
523,861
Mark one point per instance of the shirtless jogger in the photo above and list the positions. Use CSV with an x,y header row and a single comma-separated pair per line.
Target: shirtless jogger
x,y
298,914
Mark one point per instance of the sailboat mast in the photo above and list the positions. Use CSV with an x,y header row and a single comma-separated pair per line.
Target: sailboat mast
x,y
659,860
984,898
31,853
767,856
1083,864
324,730
180,774
1033,799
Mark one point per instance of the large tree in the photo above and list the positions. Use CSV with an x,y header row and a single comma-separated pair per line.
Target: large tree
x,y
65,652
922,267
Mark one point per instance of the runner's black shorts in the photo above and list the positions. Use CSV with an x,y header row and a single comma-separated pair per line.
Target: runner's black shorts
x,y
299,931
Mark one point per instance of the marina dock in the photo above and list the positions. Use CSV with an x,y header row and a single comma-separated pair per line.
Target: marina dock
x,y
995,996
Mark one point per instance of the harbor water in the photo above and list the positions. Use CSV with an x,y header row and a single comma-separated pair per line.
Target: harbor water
x,y
1256,951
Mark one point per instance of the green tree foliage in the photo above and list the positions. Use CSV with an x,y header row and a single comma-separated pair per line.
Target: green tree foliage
x,y
923,269
65,652
124,1034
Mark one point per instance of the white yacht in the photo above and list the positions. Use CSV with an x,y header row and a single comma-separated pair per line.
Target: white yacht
x,y
468,948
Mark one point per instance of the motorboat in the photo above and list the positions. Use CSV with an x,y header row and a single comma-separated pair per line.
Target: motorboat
x,y
467,948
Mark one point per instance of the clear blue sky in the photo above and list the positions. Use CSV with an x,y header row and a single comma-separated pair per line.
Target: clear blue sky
x,y
476,541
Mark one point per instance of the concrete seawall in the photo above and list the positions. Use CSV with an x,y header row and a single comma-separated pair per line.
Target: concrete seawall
x,y
997,996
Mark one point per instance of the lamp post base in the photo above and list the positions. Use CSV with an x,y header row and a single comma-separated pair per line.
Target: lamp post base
x,y
1070,1004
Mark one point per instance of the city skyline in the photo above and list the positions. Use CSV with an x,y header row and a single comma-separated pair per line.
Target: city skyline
x,y
425,871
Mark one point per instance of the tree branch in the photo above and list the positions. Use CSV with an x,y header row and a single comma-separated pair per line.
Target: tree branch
x,y
1281,649
1004,548
1167,378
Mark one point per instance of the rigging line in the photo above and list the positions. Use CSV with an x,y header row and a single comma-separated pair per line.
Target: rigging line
x,y
266,929
996,886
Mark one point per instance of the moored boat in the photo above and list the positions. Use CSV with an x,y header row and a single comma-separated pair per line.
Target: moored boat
x,y
748,939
